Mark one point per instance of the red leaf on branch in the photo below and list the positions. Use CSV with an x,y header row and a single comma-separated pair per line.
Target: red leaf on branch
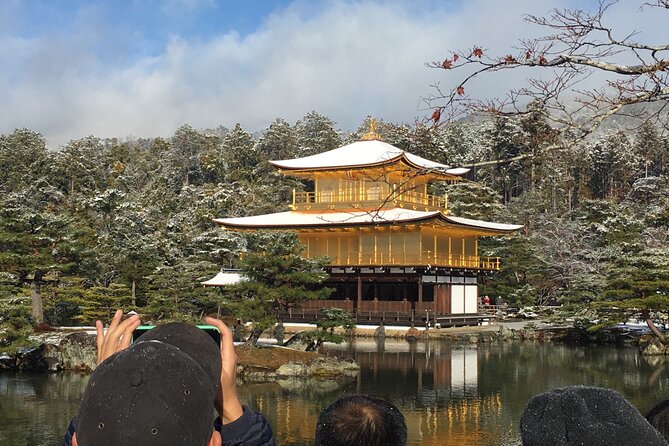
x,y
447,64
436,116
528,54
542,60
460,90
478,52
455,57
510,59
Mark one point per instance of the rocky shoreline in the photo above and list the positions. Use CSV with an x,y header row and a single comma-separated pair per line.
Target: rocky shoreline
x,y
76,351
56,351
648,345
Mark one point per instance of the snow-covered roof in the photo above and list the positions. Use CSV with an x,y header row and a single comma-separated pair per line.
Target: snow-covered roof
x,y
504,227
364,153
297,219
224,278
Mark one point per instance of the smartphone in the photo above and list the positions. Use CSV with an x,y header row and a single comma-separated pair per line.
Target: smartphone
x,y
209,329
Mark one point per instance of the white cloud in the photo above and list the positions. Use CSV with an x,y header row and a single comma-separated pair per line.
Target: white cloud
x,y
346,61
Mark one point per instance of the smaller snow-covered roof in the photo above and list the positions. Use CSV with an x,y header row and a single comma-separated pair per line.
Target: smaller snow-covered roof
x,y
223,278
297,219
364,153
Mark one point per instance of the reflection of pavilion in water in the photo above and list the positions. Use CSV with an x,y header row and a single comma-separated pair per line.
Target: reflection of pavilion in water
x,y
442,381
442,373
434,385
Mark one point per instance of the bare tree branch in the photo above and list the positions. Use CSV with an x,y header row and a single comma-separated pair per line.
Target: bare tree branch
x,y
578,44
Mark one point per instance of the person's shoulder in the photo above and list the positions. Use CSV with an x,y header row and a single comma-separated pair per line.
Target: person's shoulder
x,y
251,429
67,440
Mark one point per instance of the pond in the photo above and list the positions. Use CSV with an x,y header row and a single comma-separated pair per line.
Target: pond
x,y
450,395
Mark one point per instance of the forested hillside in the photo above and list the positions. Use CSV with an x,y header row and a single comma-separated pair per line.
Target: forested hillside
x,y
100,224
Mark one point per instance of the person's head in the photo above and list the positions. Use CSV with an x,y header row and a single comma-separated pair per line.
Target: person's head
x,y
151,393
658,417
361,420
581,415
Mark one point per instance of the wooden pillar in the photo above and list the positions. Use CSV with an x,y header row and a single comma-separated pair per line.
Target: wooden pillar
x,y
339,259
359,290
420,289
476,247
448,297
390,260
450,253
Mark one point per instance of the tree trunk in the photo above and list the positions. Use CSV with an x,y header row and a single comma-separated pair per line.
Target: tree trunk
x,y
532,175
134,296
654,330
252,340
37,306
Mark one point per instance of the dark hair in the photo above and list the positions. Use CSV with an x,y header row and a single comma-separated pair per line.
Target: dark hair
x,y
658,417
367,420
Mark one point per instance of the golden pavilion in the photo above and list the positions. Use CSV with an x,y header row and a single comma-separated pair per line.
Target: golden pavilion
x,y
396,253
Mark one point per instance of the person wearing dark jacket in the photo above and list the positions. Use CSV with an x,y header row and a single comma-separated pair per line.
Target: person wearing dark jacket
x,y
162,389
249,429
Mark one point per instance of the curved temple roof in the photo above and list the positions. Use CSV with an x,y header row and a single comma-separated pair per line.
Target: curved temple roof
x,y
296,220
224,278
361,154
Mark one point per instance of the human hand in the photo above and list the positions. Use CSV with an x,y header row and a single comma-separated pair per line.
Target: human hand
x,y
118,336
227,402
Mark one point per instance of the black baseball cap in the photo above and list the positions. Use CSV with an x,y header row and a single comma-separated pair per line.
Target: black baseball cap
x,y
194,342
151,393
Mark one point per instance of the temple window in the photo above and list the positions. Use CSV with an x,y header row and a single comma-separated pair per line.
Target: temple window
x,y
374,193
326,196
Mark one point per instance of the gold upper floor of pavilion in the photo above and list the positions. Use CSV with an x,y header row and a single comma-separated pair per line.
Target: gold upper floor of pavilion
x,y
363,195
368,174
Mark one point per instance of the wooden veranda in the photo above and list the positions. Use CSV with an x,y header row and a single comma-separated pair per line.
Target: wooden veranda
x,y
388,313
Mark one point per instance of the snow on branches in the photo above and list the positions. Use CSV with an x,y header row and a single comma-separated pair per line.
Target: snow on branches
x,y
576,44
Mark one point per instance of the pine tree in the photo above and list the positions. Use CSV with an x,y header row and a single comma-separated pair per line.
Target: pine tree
x,y
278,143
23,159
279,278
241,157
182,163
79,167
507,177
38,245
637,286
175,292
316,134
652,149
471,200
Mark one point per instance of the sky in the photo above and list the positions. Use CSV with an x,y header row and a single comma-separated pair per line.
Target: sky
x,y
142,68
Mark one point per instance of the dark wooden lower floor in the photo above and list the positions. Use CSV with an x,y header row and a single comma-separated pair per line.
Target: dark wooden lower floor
x,y
399,296
388,313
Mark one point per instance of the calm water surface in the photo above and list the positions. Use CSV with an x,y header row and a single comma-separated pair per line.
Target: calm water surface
x,y
450,395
